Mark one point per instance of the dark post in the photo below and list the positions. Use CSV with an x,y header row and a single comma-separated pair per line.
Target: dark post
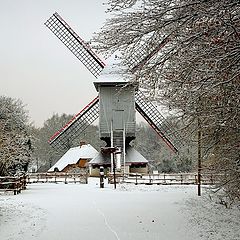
x,y
55,173
65,178
24,181
101,171
199,159
114,171
37,164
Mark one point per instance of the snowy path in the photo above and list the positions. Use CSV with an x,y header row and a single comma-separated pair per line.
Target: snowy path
x,y
73,211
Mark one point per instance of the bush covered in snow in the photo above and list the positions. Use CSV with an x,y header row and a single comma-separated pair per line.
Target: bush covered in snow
x,y
15,142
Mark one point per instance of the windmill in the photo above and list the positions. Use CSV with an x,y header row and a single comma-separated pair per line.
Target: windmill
x,y
115,105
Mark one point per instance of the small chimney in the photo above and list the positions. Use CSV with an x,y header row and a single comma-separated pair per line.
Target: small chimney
x,y
82,143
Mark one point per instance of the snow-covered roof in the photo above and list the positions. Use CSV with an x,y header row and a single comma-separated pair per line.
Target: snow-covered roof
x,y
73,155
114,72
109,83
101,159
132,156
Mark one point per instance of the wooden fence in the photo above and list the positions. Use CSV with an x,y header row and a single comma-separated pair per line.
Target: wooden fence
x,y
167,179
14,184
58,177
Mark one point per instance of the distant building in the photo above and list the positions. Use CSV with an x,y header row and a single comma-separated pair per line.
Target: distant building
x,y
87,157
75,158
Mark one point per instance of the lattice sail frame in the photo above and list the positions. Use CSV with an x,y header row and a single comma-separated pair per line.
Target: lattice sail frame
x,y
156,120
76,125
140,55
75,44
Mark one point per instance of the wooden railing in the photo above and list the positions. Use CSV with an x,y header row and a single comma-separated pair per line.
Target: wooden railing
x,y
14,184
57,177
167,178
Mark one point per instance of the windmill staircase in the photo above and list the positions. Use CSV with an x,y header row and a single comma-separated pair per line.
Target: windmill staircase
x,y
118,139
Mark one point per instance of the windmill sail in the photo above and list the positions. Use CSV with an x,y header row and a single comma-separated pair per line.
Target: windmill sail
x,y
151,114
75,44
94,64
63,137
143,53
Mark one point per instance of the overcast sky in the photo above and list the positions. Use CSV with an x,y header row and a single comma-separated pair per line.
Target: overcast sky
x,y
35,66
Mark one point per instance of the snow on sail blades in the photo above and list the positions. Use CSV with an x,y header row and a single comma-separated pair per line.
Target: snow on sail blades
x,y
75,44
63,137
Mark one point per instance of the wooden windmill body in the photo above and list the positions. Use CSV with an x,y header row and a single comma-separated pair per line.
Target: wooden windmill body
x,y
115,106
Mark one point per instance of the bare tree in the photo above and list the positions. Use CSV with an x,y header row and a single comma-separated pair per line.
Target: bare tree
x,y
186,54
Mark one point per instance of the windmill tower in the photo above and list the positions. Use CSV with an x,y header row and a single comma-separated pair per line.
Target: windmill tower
x,y
115,106
117,112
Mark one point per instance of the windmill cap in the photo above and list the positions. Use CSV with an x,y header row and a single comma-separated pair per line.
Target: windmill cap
x,y
114,84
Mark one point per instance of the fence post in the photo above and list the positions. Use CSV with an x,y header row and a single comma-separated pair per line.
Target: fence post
x,y
74,178
80,177
150,179
24,182
55,177
211,178
86,178
65,178
15,186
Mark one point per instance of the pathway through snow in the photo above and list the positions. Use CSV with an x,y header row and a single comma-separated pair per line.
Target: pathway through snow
x,y
73,211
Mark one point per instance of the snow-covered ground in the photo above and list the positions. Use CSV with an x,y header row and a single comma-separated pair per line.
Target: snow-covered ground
x,y
76,211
